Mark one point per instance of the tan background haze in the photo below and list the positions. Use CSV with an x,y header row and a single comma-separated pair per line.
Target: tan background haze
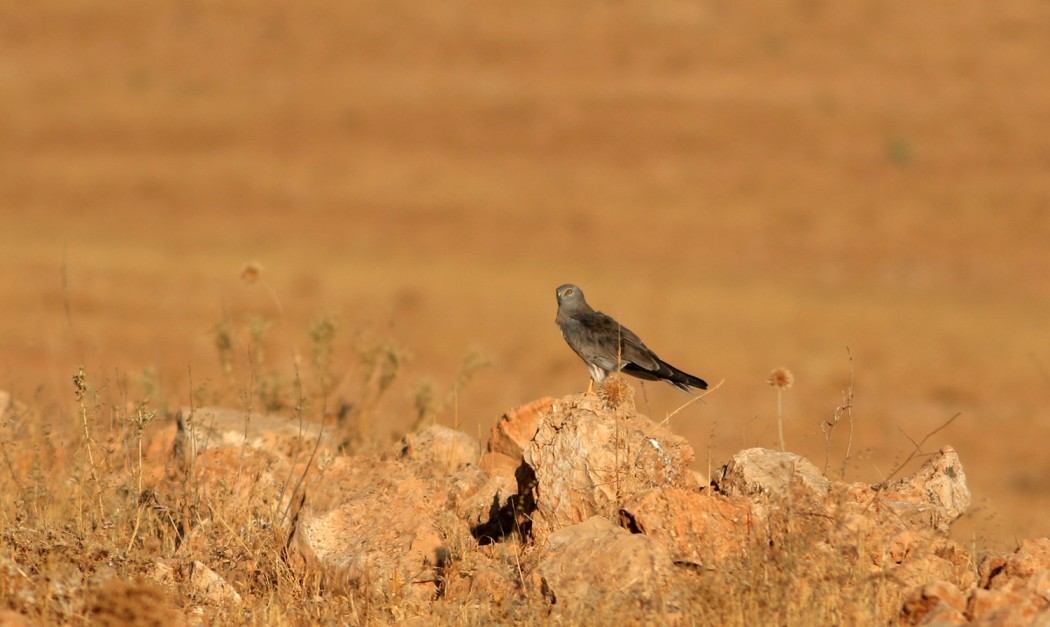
x,y
745,185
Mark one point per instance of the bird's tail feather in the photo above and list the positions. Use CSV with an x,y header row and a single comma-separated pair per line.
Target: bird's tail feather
x,y
681,379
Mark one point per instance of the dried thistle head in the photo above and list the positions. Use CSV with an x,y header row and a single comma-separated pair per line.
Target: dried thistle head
x,y
250,272
781,378
615,392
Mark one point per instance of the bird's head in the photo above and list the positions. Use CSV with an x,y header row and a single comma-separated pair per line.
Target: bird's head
x,y
570,296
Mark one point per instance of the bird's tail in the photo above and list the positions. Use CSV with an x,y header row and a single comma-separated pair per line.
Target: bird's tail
x,y
681,379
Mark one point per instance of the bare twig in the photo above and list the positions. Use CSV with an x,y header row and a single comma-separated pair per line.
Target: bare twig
x,y
698,397
845,409
917,450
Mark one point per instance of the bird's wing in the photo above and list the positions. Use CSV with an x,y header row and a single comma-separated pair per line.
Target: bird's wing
x,y
623,350
600,340
608,344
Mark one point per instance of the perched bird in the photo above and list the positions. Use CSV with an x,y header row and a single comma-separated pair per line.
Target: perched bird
x,y
607,346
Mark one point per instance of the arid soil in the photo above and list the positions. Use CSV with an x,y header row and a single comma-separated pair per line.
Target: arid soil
x,y
855,191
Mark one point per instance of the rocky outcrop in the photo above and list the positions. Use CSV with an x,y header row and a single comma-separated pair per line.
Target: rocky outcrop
x,y
1014,589
603,510
586,460
384,526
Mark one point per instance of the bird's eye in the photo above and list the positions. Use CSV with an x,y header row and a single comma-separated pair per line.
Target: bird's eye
x,y
568,292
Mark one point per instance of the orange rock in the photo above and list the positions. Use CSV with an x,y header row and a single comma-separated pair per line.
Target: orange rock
x,y
588,460
703,529
370,525
498,464
515,429
596,561
439,449
1030,557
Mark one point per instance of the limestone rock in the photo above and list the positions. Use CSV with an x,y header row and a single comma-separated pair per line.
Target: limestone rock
x,y
211,427
516,428
936,495
596,559
586,460
370,524
210,587
440,448
703,529
758,471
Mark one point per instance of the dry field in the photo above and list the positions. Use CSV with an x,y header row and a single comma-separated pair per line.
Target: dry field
x,y
846,189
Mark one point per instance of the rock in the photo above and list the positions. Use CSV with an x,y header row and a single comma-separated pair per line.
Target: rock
x,y
937,601
559,475
440,449
211,427
586,460
897,531
943,615
757,471
1031,557
210,587
463,485
702,529
486,502
1015,588
371,526
161,573
776,482
597,562
246,479
936,495
242,460
516,428
498,464
916,558
984,602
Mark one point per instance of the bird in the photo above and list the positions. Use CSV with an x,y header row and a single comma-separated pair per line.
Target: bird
x,y
606,346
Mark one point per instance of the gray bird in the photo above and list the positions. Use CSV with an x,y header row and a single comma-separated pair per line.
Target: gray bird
x,y
607,346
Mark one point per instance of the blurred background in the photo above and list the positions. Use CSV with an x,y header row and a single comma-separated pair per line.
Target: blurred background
x,y
198,195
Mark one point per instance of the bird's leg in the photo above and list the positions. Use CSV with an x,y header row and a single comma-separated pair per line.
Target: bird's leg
x,y
590,387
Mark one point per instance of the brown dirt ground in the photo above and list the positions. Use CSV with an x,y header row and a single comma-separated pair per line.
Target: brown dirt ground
x,y
746,186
